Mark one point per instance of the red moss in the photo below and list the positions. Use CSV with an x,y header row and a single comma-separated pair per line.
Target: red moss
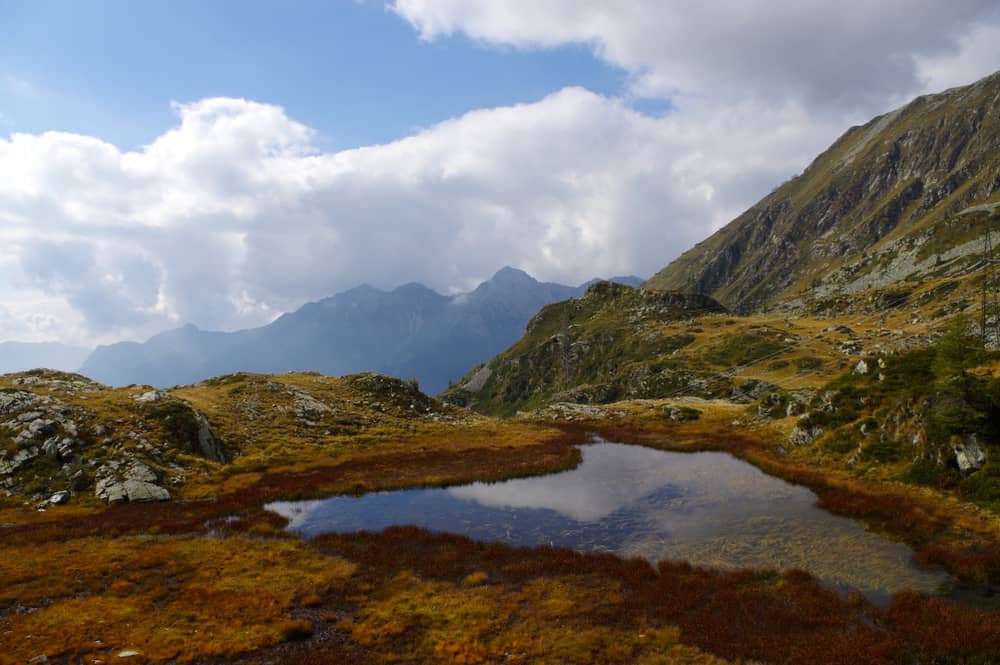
x,y
788,618
981,566
940,631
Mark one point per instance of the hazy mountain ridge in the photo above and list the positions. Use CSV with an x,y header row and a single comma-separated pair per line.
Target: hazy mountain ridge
x,y
409,332
897,184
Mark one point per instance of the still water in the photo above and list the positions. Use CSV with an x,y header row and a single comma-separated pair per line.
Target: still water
x,y
708,508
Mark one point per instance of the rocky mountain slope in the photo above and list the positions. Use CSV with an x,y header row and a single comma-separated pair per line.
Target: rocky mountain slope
x,y
905,196
870,250
614,343
410,332
620,343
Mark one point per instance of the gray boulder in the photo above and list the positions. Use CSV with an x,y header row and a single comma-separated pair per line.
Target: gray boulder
x,y
21,458
109,490
207,443
138,491
151,396
136,484
751,390
803,436
968,454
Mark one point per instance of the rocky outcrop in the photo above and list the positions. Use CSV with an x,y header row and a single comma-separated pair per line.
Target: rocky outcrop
x,y
19,459
751,390
969,456
803,435
207,443
135,483
185,427
151,396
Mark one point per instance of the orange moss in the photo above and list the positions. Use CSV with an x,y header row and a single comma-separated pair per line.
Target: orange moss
x,y
177,598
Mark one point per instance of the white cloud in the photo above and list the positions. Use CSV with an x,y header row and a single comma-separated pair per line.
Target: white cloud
x,y
978,55
233,216
854,55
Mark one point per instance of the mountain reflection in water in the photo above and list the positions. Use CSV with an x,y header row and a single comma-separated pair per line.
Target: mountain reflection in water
x,y
708,508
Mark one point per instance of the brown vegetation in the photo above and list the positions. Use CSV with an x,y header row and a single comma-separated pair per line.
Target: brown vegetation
x,y
215,576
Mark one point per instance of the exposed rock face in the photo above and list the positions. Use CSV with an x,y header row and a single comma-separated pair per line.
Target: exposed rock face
x,y
804,435
151,396
20,458
895,186
136,484
307,407
18,401
478,379
969,456
751,390
186,428
138,491
207,443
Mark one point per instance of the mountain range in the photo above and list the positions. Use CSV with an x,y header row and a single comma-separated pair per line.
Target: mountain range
x,y
888,223
409,332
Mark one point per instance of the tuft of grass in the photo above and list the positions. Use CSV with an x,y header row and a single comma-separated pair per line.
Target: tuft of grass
x,y
295,629
477,578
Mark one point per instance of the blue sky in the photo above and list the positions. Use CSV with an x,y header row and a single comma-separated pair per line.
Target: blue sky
x,y
219,163
356,72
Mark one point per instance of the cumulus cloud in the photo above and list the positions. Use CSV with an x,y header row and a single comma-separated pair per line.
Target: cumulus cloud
x,y
233,215
852,54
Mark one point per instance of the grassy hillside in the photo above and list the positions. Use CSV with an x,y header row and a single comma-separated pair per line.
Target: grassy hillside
x,y
618,343
62,433
614,343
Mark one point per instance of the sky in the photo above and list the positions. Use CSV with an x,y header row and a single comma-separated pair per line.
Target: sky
x,y
218,163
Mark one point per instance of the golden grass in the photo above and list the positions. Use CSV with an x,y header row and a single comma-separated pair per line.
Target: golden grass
x,y
413,620
169,598
82,573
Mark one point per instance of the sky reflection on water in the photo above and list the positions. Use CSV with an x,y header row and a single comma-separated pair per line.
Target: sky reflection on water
x,y
709,508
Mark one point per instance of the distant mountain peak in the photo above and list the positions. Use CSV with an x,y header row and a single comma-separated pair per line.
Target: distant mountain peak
x,y
509,275
416,288
410,331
